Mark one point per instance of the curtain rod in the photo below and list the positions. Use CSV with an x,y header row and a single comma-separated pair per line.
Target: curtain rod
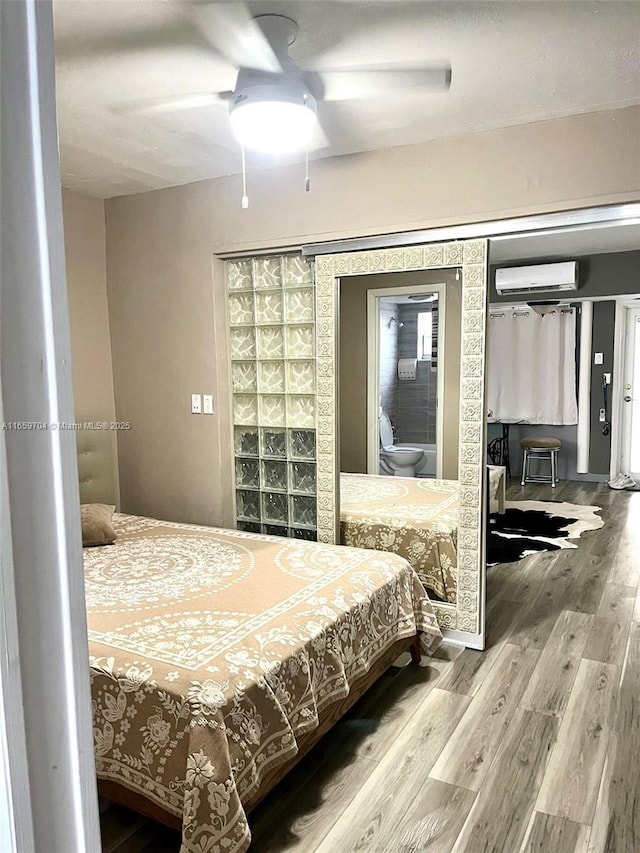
x,y
524,312
590,217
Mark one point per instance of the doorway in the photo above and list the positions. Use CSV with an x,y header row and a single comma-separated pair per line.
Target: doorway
x,y
629,396
406,329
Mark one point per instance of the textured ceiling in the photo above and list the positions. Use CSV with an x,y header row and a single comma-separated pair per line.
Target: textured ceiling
x,y
513,63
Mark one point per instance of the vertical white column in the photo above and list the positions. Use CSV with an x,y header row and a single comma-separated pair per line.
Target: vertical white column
x,y
53,768
584,388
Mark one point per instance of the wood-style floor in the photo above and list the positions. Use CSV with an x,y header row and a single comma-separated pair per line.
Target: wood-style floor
x,y
532,746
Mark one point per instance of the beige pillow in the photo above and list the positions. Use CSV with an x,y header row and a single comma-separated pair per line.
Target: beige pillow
x,y
97,524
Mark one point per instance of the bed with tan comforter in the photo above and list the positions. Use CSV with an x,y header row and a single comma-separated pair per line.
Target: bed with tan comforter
x,y
416,518
213,651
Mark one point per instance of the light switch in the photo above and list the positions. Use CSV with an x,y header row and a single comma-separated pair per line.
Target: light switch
x,y
207,404
598,358
196,404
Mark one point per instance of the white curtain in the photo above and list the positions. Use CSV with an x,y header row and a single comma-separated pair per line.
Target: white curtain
x,y
532,366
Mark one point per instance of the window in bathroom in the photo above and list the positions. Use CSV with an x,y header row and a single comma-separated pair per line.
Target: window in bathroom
x,y
425,333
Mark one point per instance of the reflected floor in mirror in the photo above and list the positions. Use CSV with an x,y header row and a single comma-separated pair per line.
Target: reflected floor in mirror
x,y
531,745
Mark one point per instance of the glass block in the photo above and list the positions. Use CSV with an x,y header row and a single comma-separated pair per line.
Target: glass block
x,y
301,377
249,527
269,307
302,444
246,441
243,374
303,477
271,377
245,409
267,273
270,342
248,473
302,533
298,305
299,341
275,530
301,411
274,475
273,443
248,505
303,511
296,271
239,275
274,507
243,343
272,409
241,309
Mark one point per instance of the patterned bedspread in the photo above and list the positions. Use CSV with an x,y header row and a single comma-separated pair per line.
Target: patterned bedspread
x,y
211,651
416,518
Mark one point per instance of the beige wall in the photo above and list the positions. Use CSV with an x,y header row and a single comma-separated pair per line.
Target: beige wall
x,y
85,255
166,301
85,249
353,366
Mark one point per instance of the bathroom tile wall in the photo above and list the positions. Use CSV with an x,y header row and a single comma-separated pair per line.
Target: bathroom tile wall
x,y
389,361
417,399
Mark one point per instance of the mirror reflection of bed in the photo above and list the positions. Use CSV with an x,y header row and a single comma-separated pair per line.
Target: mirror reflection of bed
x,y
399,379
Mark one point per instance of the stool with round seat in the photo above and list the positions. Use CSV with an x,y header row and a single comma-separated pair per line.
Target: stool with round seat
x,y
542,449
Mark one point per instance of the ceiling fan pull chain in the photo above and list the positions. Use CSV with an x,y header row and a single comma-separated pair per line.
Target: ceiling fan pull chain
x,y
245,197
307,181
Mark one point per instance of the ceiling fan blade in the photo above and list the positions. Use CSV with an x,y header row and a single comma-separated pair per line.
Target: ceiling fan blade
x,y
193,100
319,139
364,83
231,29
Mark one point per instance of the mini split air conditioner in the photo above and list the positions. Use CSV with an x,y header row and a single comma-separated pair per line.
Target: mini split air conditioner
x,y
538,279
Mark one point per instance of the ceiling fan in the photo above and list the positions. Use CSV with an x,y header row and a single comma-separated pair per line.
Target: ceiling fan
x,y
274,104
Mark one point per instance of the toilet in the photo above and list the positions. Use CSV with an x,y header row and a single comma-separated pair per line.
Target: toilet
x,y
400,460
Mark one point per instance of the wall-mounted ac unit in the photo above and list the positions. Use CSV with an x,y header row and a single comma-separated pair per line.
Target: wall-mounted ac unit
x,y
542,278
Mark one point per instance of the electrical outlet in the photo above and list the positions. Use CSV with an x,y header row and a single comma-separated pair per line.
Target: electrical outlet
x,y
607,378
207,404
603,416
598,358
196,404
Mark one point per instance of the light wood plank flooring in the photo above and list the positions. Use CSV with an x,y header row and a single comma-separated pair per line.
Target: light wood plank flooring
x,y
532,746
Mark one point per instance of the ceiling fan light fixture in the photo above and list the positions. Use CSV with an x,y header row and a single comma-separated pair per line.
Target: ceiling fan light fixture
x,y
276,119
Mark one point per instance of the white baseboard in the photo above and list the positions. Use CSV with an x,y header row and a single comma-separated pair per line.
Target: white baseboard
x,y
465,638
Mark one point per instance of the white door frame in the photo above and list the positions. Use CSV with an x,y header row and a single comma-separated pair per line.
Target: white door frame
x,y
46,743
617,388
373,376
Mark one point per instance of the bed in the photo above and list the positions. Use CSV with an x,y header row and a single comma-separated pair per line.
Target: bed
x,y
413,517
218,658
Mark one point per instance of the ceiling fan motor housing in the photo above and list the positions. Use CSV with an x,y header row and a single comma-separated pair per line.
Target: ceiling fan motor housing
x,y
284,91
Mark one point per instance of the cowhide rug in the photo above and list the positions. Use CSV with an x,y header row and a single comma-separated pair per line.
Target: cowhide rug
x,y
530,526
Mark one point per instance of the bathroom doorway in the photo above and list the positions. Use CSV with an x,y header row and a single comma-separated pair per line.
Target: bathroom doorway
x,y
405,387
361,357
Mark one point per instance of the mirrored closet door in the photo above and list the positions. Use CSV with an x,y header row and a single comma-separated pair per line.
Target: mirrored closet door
x,y
348,422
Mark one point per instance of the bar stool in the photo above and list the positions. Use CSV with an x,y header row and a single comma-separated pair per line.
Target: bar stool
x,y
540,448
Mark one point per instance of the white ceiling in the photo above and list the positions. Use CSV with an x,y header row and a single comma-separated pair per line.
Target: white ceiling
x,y
405,300
513,62
565,244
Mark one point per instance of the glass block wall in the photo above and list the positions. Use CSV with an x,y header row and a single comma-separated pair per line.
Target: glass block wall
x,y
272,332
